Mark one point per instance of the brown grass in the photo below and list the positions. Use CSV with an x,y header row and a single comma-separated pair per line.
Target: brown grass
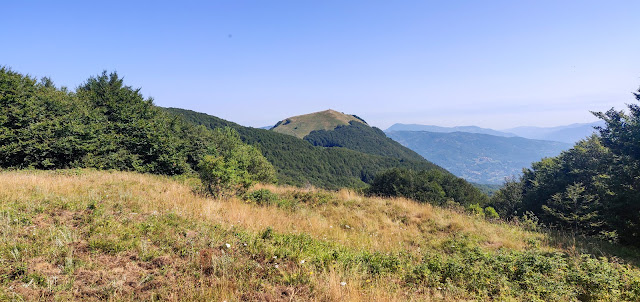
x,y
377,223
351,220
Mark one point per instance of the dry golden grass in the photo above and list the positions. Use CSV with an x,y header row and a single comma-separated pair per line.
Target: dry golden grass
x,y
349,219
356,221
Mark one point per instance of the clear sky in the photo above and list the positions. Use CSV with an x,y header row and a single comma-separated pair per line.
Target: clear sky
x,y
495,64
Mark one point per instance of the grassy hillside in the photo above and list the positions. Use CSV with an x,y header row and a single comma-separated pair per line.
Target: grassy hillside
x,y
301,125
299,163
88,235
479,158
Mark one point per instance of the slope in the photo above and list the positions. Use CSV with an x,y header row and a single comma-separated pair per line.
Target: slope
x,y
360,137
479,158
301,125
116,236
299,163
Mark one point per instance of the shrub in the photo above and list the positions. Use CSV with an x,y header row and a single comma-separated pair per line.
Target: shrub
x,y
261,197
221,177
475,209
490,213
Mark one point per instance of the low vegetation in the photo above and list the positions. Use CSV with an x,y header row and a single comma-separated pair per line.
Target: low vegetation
x,y
100,235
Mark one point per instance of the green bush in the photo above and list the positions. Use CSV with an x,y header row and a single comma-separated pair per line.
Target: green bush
x,y
430,186
222,178
232,167
490,213
475,209
261,197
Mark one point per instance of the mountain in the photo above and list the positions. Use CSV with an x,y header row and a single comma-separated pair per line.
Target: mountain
x,y
301,125
431,128
299,162
334,129
479,158
568,134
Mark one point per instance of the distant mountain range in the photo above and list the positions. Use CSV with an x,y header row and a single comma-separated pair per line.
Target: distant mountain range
x,y
438,129
568,134
477,157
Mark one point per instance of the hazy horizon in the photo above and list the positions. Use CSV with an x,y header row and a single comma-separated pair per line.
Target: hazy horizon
x,y
494,65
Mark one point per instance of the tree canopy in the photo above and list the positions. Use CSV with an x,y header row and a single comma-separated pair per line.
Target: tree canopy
x,y
106,124
592,189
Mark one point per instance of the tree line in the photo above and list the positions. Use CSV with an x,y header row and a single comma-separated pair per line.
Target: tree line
x,y
105,124
591,189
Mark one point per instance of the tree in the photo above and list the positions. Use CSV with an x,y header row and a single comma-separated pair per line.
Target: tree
x,y
426,186
574,209
508,200
232,166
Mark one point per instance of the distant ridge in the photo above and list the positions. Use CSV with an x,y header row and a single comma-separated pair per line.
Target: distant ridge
x,y
568,134
438,129
301,125
476,157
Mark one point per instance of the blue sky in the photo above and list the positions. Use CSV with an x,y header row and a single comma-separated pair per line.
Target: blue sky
x,y
495,64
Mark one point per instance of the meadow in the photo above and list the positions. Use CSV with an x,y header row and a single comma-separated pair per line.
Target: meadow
x,y
82,234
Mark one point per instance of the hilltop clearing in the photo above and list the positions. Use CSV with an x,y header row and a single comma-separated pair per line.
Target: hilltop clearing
x,y
301,125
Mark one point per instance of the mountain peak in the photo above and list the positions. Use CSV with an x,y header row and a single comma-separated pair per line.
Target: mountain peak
x,y
301,125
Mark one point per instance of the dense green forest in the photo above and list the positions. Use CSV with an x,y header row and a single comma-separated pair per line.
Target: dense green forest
x,y
430,186
591,189
105,124
299,163
360,137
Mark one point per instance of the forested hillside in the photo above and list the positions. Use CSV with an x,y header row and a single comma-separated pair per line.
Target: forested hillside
x,y
360,137
591,189
298,162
